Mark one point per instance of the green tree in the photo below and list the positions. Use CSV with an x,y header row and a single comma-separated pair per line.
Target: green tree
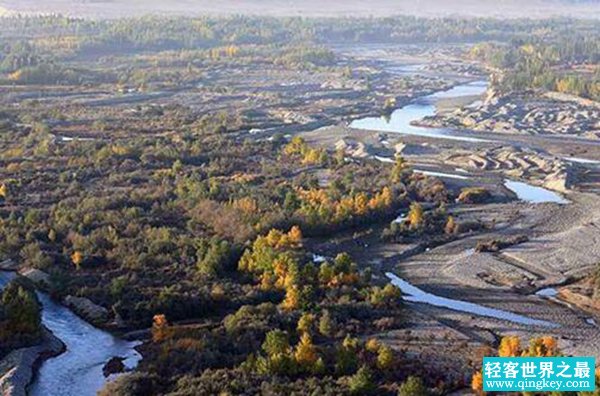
x,y
20,318
326,324
306,322
361,383
401,170
413,386
276,343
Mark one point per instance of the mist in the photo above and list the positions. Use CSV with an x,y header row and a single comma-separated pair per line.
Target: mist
x,y
309,8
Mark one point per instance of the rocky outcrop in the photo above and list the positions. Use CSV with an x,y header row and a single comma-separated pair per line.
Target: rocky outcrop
x,y
85,308
17,368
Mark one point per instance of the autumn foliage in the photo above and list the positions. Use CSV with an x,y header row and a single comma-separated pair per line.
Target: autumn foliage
x,y
160,328
510,346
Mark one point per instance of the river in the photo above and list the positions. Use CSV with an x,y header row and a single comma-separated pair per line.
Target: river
x,y
78,371
416,295
400,120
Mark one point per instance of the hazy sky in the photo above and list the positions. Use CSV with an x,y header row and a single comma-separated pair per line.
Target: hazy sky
x,y
117,8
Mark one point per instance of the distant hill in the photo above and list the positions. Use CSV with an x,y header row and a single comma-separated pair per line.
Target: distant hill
x,y
329,8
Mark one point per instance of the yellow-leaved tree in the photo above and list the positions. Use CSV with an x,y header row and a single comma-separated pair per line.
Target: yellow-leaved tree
x,y
77,259
160,328
306,353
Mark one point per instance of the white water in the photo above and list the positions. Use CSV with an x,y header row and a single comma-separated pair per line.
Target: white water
x,y
416,295
78,371
533,194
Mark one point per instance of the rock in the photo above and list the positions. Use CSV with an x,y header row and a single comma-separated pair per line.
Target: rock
x,y
114,366
36,276
87,309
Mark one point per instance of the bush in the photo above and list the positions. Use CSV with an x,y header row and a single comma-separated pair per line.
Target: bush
x,y
495,245
413,386
474,195
361,383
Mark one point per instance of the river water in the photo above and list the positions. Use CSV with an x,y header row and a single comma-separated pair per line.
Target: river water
x,y
400,120
414,294
78,371
533,194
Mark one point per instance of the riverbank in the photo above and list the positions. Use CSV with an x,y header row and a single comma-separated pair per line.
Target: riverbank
x,y
562,235
70,345
19,367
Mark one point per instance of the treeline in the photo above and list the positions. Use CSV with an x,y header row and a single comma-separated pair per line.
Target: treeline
x,y
66,37
567,65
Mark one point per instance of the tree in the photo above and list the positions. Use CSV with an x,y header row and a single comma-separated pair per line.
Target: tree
x,y
3,191
160,328
306,322
542,346
415,215
400,171
77,259
346,358
215,259
361,383
413,386
295,236
510,346
20,318
306,352
477,383
326,273
276,343
450,227
326,324
372,345
385,357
